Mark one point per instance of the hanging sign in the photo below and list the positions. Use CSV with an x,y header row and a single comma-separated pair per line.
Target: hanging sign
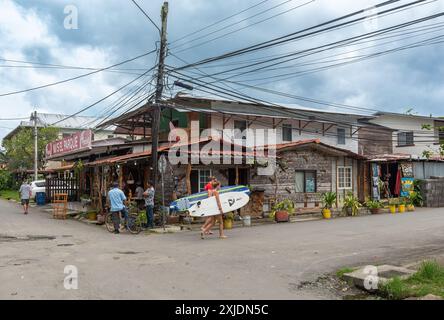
x,y
407,169
79,141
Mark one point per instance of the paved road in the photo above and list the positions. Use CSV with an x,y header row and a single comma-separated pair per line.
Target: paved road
x,y
264,262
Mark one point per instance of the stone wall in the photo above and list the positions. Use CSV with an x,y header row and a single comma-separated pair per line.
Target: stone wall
x,y
432,191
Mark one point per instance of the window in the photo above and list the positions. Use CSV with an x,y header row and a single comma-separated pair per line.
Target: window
x,y
341,136
305,182
405,139
204,177
344,178
240,125
441,135
287,133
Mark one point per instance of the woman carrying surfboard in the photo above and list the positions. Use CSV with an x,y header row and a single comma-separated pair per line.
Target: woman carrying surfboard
x,y
215,193
209,189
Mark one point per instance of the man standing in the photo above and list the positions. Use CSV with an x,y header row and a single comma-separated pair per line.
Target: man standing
x,y
116,199
25,195
149,203
139,196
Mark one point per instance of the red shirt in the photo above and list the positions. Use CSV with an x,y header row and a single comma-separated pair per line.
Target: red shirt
x,y
209,186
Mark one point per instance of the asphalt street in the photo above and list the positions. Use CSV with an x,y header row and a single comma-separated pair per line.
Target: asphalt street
x,y
263,262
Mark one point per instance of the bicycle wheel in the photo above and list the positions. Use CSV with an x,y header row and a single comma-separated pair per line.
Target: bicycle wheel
x,y
109,222
133,226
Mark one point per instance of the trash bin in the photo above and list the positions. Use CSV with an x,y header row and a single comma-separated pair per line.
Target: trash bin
x,y
40,198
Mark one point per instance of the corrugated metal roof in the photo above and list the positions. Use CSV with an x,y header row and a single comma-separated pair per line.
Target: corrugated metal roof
x,y
75,122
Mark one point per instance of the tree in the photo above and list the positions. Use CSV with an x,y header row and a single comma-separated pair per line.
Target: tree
x,y
19,150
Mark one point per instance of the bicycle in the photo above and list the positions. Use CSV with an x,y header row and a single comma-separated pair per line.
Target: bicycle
x,y
133,224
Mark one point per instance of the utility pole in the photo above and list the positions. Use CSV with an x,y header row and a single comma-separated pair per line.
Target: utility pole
x,y
158,98
36,154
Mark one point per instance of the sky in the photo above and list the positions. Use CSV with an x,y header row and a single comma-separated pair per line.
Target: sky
x,y
111,31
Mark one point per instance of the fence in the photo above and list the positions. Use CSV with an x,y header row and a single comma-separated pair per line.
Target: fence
x,y
69,186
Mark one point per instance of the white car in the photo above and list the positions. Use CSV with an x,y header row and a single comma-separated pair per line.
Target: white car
x,y
37,186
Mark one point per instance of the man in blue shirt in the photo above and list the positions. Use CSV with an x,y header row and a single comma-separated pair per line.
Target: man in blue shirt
x,y
116,199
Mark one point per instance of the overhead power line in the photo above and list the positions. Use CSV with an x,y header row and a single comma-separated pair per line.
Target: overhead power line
x,y
239,22
302,33
220,21
104,98
146,15
13,119
77,77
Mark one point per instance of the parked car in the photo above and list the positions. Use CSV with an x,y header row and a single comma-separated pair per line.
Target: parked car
x,y
37,186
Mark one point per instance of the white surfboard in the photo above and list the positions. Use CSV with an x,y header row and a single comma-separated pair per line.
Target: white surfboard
x,y
230,201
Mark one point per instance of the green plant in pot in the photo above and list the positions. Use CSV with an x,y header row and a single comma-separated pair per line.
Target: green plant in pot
x,y
392,205
351,205
328,199
416,199
374,206
282,210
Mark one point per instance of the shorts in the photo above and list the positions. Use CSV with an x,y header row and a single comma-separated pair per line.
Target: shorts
x,y
25,201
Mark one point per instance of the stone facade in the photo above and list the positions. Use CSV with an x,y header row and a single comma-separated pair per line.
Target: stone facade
x,y
432,191
283,185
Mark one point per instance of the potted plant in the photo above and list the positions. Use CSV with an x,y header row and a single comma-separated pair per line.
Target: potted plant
x,y
402,204
328,199
374,206
351,205
392,205
228,220
92,215
415,200
282,211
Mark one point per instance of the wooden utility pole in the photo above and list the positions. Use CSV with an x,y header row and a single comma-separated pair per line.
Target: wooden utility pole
x,y
158,98
36,152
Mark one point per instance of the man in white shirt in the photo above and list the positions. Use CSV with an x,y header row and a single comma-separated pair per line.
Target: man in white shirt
x,y
25,195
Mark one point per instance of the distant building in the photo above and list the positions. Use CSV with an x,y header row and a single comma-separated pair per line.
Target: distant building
x,y
67,125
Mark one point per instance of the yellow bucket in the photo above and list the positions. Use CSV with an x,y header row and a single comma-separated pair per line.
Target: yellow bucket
x,y
392,209
326,213
401,208
228,224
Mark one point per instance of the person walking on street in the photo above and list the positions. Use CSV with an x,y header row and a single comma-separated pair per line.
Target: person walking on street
x,y
25,195
219,217
149,203
117,199
209,189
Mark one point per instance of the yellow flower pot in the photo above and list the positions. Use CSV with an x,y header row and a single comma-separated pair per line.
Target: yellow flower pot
x,y
326,213
410,207
401,208
392,209
228,224
92,216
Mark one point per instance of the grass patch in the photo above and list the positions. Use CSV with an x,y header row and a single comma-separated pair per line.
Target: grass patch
x,y
10,194
340,273
429,279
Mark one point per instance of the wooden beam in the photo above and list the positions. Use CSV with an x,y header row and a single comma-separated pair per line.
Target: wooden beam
x,y
237,176
356,131
305,125
275,125
226,120
251,122
328,128
188,178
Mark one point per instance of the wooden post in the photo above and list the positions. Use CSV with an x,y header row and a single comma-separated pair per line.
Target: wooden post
x,y
121,177
237,176
188,179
